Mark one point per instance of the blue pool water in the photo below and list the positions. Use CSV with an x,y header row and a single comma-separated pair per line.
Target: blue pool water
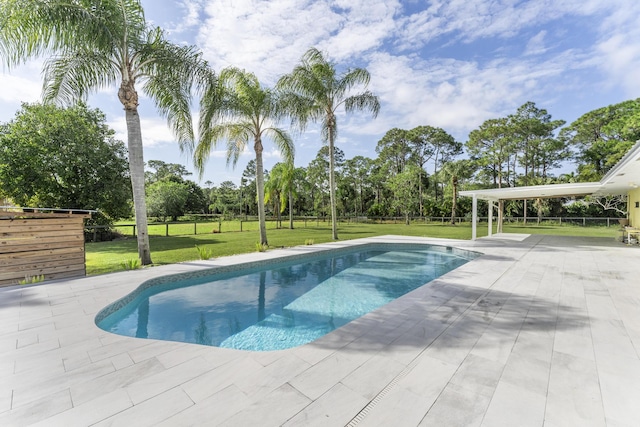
x,y
281,305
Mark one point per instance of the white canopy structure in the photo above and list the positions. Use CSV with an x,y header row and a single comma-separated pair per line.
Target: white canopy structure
x,y
622,178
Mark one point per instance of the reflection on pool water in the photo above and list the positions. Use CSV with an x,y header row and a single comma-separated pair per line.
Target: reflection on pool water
x,y
282,305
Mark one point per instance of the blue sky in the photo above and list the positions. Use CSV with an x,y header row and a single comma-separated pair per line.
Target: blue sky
x,y
451,64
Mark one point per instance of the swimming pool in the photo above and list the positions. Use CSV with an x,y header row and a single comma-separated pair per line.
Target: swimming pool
x,y
284,304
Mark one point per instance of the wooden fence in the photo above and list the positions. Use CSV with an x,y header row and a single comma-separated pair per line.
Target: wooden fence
x,y
41,246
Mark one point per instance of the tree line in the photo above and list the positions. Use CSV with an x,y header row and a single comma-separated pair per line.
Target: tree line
x,y
418,171
68,157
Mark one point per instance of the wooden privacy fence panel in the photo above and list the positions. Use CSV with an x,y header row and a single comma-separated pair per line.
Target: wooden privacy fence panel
x,y
41,244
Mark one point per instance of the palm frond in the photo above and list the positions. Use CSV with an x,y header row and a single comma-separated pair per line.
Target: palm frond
x,y
76,74
283,141
238,136
171,72
363,102
32,28
352,78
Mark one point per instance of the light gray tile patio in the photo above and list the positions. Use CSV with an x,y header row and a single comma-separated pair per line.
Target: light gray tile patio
x,y
539,331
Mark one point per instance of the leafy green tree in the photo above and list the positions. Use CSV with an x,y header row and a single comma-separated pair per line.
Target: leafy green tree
x,y
167,199
165,171
356,173
65,158
94,44
196,200
246,113
318,176
394,150
533,132
226,199
378,180
405,187
429,142
248,190
524,140
301,191
492,147
602,136
317,92
394,155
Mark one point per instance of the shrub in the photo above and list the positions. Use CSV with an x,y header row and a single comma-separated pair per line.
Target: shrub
x,y
131,264
204,253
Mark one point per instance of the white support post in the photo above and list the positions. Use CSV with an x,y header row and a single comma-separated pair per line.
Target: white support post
x,y
490,233
474,218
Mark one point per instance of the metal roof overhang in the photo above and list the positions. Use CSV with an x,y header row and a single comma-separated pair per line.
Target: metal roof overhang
x,y
622,178
535,191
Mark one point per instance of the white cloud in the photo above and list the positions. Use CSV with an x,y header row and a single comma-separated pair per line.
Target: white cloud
x,y
269,37
16,89
155,131
536,44
23,84
469,20
621,61
191,18
618,50
365,26
453,94
262,36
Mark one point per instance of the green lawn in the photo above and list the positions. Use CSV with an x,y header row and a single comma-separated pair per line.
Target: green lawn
x,y
107,257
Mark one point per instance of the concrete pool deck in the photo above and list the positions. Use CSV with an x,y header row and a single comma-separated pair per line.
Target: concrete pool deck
x,y
541,330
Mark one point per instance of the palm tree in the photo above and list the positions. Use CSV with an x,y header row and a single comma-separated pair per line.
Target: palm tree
x,y
455,171
273,192
238,110
280,186
316,92
96,44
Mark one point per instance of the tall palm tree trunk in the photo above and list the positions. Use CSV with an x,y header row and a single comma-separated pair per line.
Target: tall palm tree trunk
x,y
420,191
332,189
276,207
454,200
290,210
136,170
260,188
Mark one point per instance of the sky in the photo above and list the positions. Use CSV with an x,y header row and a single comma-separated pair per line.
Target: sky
x,y
450,64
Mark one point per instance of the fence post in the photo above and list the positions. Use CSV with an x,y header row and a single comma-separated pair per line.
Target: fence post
x,y
166,232
134,230
195,226
584,221
240,225
608,223
219,226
